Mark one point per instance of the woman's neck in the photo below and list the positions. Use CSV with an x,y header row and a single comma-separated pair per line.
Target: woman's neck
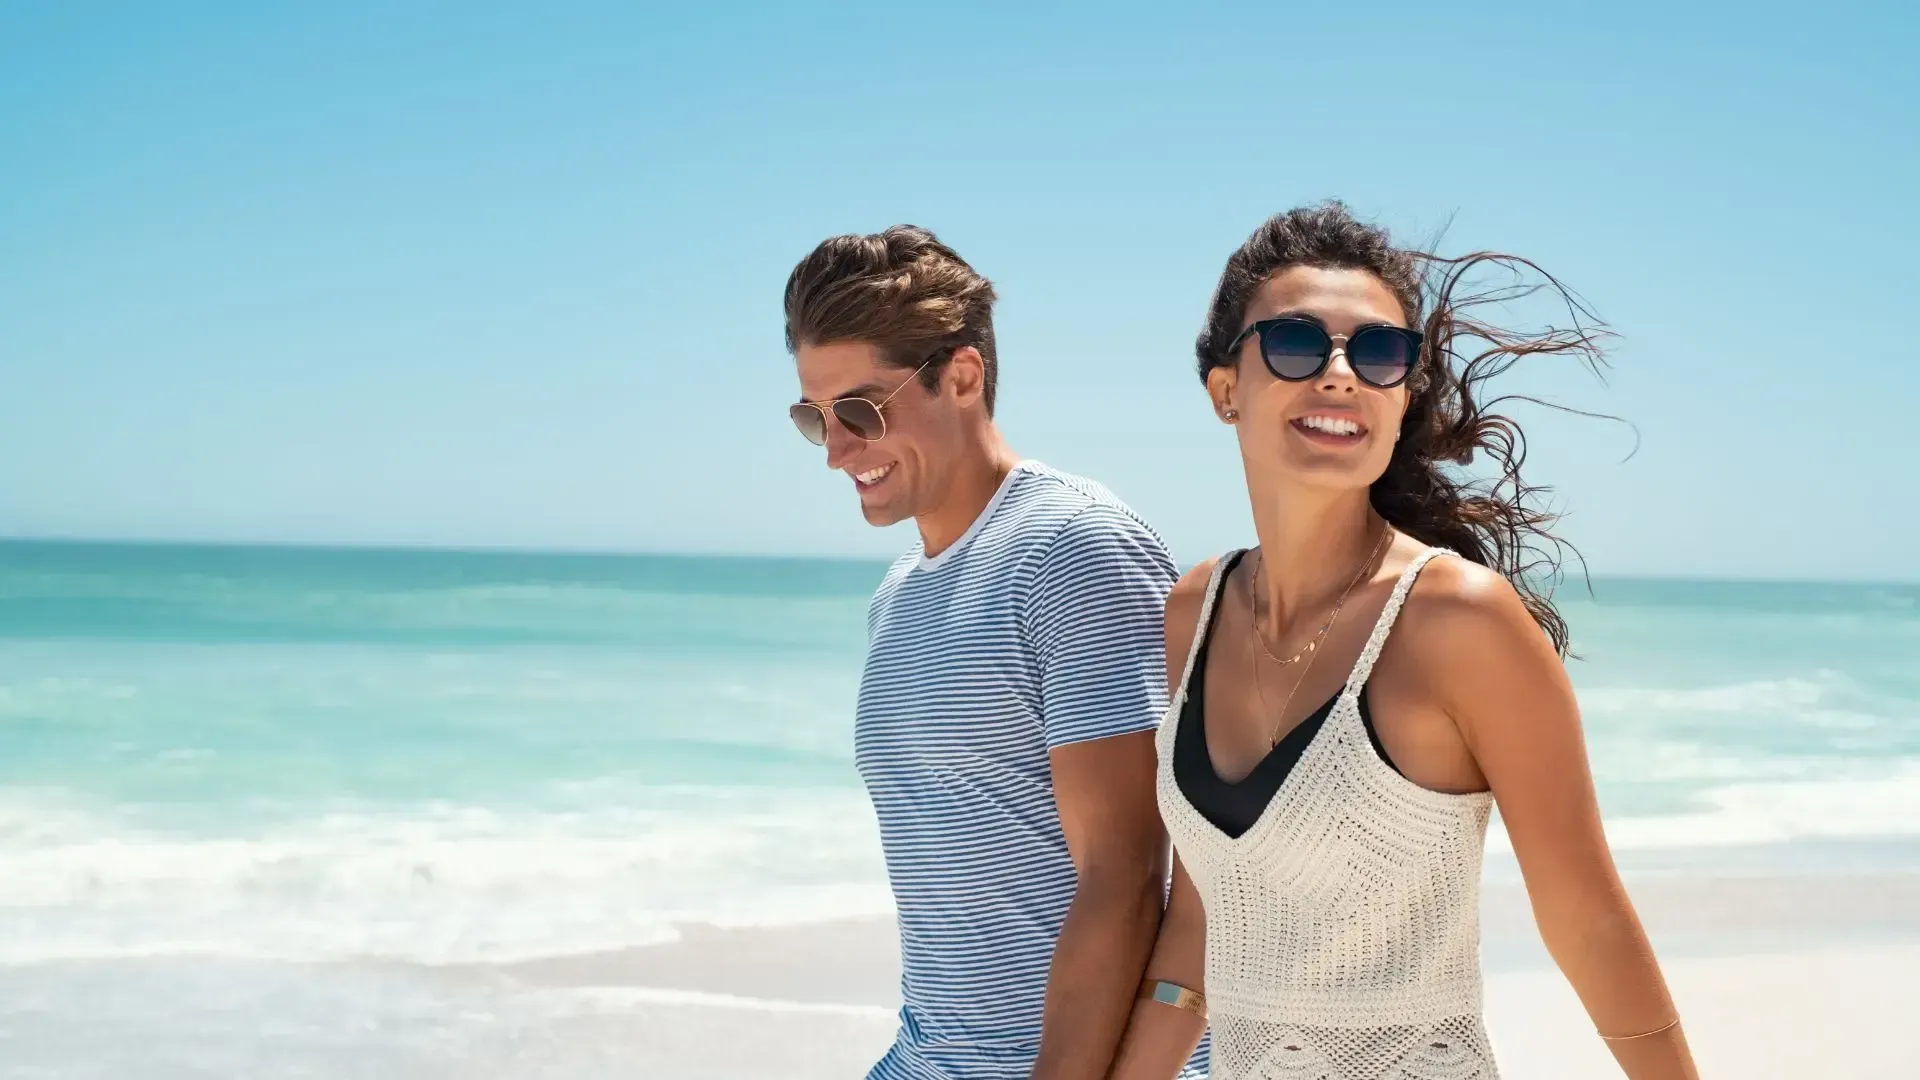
x,y
1312,546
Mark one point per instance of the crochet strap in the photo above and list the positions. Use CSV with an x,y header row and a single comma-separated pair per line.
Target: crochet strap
x,y
1216,585
1363,667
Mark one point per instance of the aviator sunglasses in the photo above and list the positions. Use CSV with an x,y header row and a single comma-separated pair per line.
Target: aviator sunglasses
x,y
1297,349
859,416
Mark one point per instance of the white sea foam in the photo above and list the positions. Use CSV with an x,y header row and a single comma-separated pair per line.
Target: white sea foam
x,y
1764,695
458,885
434,885
1860,801
613,861
1826,726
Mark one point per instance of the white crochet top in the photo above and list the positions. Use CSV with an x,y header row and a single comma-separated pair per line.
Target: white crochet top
x,y
1343,928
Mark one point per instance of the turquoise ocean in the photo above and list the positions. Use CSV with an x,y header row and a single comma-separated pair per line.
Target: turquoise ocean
x,y
224,769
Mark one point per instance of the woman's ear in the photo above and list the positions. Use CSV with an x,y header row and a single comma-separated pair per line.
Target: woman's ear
x,y
1222,383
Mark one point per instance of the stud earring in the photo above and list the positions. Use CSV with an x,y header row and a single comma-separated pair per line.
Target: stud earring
x,y
1230,415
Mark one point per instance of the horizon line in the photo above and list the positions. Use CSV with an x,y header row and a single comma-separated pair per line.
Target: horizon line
x,y
1571,581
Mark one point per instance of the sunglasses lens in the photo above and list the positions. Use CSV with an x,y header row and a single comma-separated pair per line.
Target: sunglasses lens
x,y
862,417
1383,355
811,423
1294,350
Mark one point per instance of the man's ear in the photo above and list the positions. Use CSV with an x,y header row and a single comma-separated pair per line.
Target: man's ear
x,y
966,375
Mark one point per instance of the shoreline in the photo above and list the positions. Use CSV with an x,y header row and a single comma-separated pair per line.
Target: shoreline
x,y
1787,976
854,961
1793,1013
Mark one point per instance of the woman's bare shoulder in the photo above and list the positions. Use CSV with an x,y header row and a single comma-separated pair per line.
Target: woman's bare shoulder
x,y
1465,624
1184,604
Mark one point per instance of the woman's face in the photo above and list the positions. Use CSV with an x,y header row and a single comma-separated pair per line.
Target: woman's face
x,y
1333,430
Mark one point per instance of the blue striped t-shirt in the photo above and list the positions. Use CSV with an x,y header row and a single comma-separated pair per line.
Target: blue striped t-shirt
x,y
1040,627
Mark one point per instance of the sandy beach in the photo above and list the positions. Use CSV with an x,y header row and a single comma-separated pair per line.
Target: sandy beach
x,y
1787,977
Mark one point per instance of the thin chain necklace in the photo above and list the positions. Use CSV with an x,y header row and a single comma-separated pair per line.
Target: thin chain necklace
x,y
1312,649
1260,635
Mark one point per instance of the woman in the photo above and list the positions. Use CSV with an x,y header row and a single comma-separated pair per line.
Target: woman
x,y
1353,697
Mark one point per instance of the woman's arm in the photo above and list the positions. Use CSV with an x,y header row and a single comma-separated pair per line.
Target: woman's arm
x,y
1161,1037
1498,677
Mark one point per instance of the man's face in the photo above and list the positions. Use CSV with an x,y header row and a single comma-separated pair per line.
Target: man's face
x,y
899,475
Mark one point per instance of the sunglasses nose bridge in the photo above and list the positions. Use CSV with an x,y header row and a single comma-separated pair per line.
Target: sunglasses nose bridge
x,y
1337,358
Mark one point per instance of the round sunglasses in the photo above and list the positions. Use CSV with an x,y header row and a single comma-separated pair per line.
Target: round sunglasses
x,y
862,418
1297,349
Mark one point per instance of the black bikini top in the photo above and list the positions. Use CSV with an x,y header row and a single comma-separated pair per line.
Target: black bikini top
x,y
1233,808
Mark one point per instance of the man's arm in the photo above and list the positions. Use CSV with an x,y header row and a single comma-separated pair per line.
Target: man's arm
x,y
1094,621
1104,789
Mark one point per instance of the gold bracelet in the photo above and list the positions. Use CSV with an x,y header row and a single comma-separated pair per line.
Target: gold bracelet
x,y
1668,1026
1173,994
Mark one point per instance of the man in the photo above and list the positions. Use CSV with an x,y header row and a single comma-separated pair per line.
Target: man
x,y
1014,676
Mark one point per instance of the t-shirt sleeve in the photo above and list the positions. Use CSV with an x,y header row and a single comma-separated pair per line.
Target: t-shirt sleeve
x,y
1095,616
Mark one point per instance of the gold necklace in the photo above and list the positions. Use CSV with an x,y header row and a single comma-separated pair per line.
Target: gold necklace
x,y
1319,635
1261,637
1311,651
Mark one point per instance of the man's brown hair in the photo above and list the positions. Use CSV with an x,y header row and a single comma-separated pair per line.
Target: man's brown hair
x,y
902,291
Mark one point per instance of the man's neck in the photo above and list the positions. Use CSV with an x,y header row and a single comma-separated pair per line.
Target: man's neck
x,y
979,475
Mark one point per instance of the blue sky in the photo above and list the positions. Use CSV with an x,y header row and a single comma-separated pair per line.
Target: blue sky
x,y
481,274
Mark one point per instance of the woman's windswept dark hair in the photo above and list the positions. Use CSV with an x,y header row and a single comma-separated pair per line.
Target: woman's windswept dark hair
x,y
1497,522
